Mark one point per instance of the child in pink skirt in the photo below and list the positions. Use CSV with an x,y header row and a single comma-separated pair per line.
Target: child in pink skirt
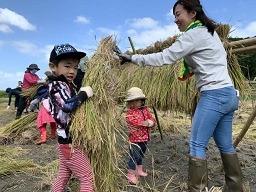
x,y
44,118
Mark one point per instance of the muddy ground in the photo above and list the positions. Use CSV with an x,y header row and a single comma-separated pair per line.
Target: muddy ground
x,y
165,161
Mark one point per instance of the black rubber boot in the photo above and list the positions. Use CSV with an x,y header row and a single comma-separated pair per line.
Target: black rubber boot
x,y
197,175
233,173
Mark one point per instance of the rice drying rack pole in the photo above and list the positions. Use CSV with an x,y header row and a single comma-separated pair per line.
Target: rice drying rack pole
x,y
154,109
243,46
132,45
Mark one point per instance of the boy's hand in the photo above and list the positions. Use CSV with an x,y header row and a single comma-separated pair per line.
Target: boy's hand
x,y
87,90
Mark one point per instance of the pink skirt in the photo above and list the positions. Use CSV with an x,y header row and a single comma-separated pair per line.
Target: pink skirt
x,y
43,117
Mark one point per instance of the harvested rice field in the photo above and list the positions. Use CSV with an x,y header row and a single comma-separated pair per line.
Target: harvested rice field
x,y
28,167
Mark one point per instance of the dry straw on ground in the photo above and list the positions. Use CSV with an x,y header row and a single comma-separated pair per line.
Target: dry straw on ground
x,y
10,164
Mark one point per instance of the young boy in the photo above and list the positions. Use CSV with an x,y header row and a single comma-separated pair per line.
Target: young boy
x,y
64,60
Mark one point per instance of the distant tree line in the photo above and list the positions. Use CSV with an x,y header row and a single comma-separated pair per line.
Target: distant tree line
x,y
248,65
3,94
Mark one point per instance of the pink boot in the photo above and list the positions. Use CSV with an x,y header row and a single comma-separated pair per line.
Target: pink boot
x,y
42,139
140,171
132,177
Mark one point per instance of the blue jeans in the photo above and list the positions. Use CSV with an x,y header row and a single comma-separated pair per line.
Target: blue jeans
x,y
213,118
137,151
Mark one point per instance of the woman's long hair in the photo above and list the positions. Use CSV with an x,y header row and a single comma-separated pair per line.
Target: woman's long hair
x,y
195,5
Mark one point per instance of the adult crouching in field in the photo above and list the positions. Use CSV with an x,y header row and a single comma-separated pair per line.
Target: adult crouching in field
x,y
16,92
204,54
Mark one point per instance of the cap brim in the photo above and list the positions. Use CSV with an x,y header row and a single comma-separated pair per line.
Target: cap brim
x,y
33,68
138,98
78,55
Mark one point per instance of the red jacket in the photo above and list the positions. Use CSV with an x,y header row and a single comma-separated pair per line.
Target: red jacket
x,y
134,119
29,80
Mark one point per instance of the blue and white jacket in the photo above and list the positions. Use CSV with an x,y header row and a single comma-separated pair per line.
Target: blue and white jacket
x,y
62,101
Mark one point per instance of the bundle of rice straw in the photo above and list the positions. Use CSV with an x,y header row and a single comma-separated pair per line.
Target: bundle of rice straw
x,y
164,90
18,126
161,85
31,92
157,46
95,123
239,80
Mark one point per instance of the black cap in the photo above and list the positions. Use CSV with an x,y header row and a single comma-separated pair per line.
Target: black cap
x,y
33,66
65,51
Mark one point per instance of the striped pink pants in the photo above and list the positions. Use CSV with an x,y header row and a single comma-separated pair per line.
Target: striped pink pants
x,y
79,166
